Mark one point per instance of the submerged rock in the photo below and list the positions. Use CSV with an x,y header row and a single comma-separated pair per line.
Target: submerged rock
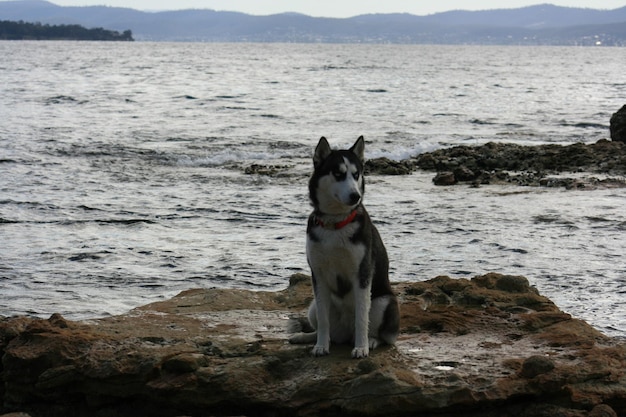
x,y
489,346
268,170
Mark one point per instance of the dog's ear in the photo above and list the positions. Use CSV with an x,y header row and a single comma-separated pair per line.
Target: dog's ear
x,y
359,149
322,150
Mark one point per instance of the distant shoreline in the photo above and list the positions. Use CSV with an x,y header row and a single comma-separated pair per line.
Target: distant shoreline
x,y
542,24
11,30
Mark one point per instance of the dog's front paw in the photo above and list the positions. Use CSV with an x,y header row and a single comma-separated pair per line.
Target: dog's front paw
x,y
360,352
319,350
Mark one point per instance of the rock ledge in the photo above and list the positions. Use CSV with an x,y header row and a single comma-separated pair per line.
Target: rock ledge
x,y
489,346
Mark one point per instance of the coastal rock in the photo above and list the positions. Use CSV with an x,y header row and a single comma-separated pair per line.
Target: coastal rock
x,y
386,166
463,173
484,347
618,125
267,170
445,178
536,365
602,410
541,165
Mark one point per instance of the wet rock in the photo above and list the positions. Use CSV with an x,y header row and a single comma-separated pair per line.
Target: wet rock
x,y
427,161
463,173
386,166
506,163
618,125
445,178
486,346
266,170
57,320
507,283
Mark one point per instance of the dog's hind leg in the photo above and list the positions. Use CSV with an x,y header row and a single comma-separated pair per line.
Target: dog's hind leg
x,y
319,316
384,321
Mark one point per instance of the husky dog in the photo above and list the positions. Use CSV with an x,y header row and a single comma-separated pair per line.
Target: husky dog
x,y
353,300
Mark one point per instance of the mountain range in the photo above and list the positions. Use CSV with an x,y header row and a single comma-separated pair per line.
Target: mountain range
x,y
543,24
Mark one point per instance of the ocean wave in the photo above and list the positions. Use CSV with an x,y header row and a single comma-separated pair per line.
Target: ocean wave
x,y
401,153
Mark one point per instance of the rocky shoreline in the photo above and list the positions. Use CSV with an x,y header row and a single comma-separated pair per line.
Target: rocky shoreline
x,y
489,346
576,166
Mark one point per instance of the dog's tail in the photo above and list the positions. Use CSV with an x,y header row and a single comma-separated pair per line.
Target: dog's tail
x,y
303,332
299,324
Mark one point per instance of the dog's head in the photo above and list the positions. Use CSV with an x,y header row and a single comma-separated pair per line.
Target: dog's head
x,y
337,185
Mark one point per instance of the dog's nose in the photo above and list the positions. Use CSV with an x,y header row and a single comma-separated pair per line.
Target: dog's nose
x,y
355,198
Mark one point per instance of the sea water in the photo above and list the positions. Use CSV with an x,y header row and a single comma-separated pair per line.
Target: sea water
x,y
123,167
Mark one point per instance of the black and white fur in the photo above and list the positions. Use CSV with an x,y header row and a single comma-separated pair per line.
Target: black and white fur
x,y
353,300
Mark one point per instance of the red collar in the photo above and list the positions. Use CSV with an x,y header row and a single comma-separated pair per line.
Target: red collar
x,y
339,225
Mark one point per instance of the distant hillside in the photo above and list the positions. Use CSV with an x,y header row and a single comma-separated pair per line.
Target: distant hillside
x,y
36,31
535,25
533,17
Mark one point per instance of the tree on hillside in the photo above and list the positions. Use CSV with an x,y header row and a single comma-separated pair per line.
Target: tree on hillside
x,y
21,30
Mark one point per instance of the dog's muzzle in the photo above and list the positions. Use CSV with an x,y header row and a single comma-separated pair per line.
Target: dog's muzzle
x,y
354,199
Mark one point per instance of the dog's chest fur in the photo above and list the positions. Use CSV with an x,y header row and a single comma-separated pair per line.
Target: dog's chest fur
x,y
334,250
335,258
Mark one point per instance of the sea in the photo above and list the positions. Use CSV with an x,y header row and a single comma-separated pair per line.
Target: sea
x,y
129,172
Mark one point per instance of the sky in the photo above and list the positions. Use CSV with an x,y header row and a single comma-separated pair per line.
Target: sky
x,y
336,8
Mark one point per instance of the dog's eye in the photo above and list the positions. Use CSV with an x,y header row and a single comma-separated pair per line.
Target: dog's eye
x,y
339,175
356,175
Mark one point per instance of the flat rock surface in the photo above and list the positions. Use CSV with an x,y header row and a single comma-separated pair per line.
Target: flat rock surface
x,y
490,346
